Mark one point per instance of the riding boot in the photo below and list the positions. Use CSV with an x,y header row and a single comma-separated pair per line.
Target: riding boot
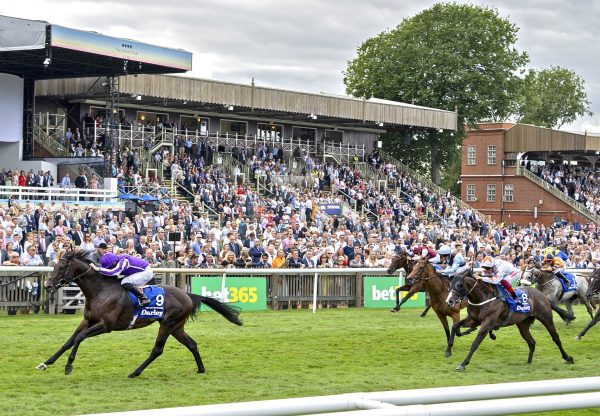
x,y
141,297
563,278
510,290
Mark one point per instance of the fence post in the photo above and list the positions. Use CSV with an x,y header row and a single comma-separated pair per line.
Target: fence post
x,y
315,290
358,294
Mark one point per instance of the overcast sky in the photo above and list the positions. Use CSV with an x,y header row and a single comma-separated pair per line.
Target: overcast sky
x,y
305,45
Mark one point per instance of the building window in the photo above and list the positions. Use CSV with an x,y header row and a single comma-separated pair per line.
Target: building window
x,y
470,155
491,154
491,193
471,193
508,193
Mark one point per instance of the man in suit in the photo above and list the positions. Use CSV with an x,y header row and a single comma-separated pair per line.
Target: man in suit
x,y
77,235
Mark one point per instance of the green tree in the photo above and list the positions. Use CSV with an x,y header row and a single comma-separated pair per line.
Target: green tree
x,y
451,56
552,97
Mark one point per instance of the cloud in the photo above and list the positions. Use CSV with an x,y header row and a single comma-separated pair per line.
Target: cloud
x,y
305,45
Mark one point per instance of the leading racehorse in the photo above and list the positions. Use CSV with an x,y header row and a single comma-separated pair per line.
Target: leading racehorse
x,y
486,309
109,308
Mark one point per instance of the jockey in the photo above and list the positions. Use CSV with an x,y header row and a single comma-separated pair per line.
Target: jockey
x,y
456,263
426,252
134,271
500,272
556,265
444,253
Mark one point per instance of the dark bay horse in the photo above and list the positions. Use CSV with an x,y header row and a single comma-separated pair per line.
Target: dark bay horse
x,y
549,285
485,309
593,289
401,261
438,287
109,308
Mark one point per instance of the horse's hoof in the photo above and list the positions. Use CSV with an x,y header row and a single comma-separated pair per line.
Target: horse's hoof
x,y
493,337
460,368
448,354
133,375
570,360
68,370
201,370
42,367
578,338
394,310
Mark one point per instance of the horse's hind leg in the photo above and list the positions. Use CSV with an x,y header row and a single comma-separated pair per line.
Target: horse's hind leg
x,y
181,336
83,325
546,319
524,330
159,345
424,313
593,322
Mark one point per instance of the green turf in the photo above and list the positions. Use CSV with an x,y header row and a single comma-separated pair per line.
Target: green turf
x,y
274,355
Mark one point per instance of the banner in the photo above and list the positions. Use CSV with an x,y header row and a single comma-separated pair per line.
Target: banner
x,y
249,293
380,292
333,208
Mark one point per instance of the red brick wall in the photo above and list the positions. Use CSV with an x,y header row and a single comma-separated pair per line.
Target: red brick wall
x,y
526,194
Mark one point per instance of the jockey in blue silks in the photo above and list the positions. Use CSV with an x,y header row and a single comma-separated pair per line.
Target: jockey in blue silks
x,y
456,264
133,271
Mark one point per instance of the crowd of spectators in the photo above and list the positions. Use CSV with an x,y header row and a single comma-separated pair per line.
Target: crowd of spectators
x,y
581,183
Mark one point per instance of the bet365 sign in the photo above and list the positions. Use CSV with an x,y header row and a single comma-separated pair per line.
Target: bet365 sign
x,y
380,292
249,293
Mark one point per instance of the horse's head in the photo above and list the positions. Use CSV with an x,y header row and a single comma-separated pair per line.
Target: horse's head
x,y
69,267
458,290
400,261
594,286
421,270
528,274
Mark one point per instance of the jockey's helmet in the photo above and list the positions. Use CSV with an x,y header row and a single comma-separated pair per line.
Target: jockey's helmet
x,y
444,250
549,258
108,259
487,264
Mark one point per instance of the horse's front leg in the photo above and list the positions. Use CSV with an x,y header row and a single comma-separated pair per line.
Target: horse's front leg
x,y
456,332
96,329
483,332
399,302
593,322
565,316
83,325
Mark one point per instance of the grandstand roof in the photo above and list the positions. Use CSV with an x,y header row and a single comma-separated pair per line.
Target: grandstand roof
x,y
527,138
39,50
254,101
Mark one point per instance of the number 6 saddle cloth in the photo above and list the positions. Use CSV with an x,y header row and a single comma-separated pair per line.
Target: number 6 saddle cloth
x,y
156,309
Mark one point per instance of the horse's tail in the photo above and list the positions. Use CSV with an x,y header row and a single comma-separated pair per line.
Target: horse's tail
x,y
229,312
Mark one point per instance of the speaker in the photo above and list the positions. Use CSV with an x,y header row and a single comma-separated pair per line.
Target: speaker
x,y
150,207
174,237
130,205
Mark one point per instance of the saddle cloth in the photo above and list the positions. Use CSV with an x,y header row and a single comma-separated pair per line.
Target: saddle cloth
x,y
524,307
156,309
572,282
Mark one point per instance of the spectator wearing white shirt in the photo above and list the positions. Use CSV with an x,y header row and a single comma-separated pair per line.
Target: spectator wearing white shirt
x,y
31,258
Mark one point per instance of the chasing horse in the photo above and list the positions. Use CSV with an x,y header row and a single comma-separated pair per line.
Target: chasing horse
x,y
489,311
401,261
593,289
556,292
108,307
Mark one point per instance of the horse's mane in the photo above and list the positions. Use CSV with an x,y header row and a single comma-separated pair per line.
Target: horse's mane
x,y
82,255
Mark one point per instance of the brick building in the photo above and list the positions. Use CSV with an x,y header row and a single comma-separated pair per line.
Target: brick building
x,y
496,182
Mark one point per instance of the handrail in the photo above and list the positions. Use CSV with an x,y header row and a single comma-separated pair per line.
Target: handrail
x,y
560,195
55,193
429,183
205,207
48,142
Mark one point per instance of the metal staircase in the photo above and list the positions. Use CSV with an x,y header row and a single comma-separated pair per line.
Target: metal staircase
x,y
581,208
432,186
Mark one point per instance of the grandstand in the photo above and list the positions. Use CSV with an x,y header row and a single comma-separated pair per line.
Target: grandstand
x,y
519,174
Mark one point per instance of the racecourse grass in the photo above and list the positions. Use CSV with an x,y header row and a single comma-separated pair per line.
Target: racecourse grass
x,y
276,354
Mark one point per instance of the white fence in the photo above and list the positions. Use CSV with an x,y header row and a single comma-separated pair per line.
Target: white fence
x,y
24,193
478,400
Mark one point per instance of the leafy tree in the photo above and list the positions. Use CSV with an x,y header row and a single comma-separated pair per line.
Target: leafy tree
x,y
456,57
552,97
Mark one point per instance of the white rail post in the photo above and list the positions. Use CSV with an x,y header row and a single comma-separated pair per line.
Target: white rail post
x,y
315,290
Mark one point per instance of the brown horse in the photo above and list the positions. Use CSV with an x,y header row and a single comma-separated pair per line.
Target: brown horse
x,y
438,286
488,311
401,261
593,289
109,308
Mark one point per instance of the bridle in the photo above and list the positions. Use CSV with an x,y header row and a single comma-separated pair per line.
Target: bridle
x,y
63,281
